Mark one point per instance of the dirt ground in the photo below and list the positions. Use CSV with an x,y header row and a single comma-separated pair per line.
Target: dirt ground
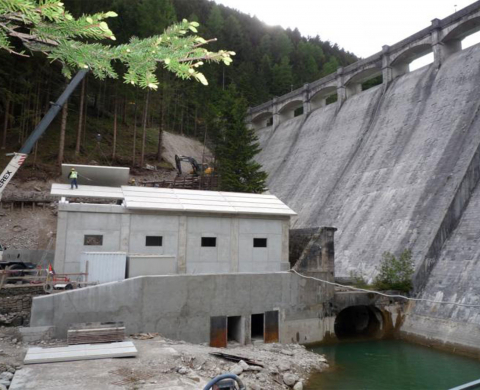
x,y
160,364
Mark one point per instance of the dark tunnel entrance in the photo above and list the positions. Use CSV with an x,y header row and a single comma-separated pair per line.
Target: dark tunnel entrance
x,y
359,322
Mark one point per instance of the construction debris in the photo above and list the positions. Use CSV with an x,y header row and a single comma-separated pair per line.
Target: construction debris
x,y
80,352
236,359
96,332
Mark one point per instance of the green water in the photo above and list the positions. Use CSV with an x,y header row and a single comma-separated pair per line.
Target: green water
x,y
391,365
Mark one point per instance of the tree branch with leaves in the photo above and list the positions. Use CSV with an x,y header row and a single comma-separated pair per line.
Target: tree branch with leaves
x,y
46,26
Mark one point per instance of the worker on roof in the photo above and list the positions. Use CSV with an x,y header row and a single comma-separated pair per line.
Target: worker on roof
x,y
73,175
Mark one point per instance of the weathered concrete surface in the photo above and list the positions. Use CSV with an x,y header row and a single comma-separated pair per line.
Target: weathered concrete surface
x,y
180,306
454,278
383,168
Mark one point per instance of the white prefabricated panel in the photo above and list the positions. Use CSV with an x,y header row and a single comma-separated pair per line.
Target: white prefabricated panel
x,y
104,267
145,265
94,175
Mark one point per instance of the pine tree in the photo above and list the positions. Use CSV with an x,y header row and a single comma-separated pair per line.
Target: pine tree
x,y
54,31
237,146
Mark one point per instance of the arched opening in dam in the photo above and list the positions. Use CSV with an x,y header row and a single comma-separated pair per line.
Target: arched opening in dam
x,y
359,322
413,58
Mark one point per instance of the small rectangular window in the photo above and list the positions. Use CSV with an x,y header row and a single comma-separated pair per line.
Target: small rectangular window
x,y
153,241
259,242
95,240
209,241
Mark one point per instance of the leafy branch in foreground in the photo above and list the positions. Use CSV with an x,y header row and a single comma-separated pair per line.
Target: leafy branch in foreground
x,y
45,26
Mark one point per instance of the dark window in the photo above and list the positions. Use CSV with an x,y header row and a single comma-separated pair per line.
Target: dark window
x,y
298,111
93,240
153,241
257,327
209,241
270,121
259,242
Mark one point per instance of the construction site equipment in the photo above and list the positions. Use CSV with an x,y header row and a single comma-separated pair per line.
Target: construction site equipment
x,y
225,382
20,157
45,278
197,169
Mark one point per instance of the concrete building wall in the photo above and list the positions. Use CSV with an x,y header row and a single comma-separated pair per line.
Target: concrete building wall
x,y
182,235
180,306
145,225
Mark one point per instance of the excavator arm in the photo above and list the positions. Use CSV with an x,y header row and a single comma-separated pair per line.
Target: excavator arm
x,y
197,169
20,157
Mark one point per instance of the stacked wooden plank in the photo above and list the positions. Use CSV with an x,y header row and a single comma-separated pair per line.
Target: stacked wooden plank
x,y
80,352
96,332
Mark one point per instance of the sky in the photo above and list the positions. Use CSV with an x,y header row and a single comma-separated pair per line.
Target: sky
x,y
359,26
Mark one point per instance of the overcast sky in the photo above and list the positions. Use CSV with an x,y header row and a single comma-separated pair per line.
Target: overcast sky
x,y
359,26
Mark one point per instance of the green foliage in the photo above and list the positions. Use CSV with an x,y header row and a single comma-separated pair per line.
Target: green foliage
x,y
55,32
236,147
359,280
395,274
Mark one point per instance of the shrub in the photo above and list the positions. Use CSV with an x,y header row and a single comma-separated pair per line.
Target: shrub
x,y
395,274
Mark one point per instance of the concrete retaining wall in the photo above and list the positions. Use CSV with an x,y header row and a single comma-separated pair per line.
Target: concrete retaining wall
x,y
180,306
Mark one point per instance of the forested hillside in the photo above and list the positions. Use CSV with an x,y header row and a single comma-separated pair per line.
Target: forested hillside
x,y
269,61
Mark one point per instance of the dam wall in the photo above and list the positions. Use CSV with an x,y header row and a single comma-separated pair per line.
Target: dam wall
x,y
395,167
385,166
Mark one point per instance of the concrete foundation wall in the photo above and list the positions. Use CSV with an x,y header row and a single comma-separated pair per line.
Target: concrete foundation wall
x,y
124,231
180,306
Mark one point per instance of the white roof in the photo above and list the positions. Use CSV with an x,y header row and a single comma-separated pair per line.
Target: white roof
x,y
87,191
150,198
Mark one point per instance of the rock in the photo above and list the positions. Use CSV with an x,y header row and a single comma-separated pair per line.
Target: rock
x,y
236,369
4,382
298,386
283,366
6,375
261,378
3,387
289,379
244,365
254,368
286,352
182,370
14,341
254,386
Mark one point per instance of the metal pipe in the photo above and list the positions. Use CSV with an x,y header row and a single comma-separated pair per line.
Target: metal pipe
x,y
222,377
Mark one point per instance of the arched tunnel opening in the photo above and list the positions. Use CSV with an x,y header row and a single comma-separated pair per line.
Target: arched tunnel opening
x,y
359,322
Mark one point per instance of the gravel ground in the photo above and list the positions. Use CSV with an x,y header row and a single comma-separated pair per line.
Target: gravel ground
x,y
161,364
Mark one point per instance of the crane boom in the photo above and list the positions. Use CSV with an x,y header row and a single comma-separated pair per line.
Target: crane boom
x,y
20,157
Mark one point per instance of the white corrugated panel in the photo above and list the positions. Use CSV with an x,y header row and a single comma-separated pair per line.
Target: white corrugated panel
x,y
87,191
150,198
104,267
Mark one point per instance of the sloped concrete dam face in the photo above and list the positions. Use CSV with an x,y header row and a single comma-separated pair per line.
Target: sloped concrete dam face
x,y
388,168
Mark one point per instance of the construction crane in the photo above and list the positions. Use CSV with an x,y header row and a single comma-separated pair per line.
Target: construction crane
x,y
20,156
197,169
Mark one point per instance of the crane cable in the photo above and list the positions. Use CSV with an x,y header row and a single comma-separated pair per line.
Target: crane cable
x,y
383,294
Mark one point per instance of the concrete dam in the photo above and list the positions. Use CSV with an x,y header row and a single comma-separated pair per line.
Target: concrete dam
x,y
393,167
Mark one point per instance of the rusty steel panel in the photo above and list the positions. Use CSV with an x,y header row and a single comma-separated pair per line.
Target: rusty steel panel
x,y
218,332
271,327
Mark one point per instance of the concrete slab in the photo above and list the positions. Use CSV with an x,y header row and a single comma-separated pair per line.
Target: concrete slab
x,y
86,191
98,175
80,352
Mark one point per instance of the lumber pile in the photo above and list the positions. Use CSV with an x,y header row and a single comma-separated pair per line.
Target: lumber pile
x,y
96,332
